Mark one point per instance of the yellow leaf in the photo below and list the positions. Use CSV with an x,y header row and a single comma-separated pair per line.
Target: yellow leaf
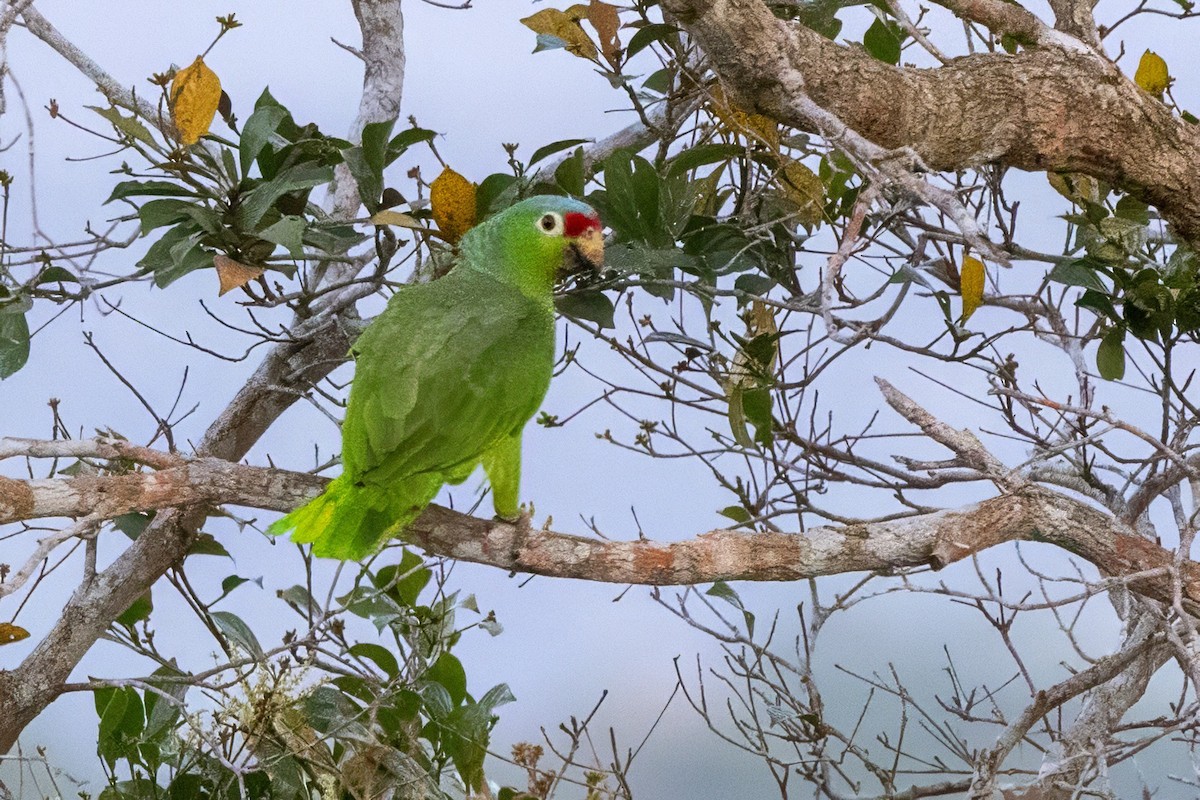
x,y
605,20
804,188
233,274
564,25
971,285
400,220
452,201
1152,74
10,633
195,95
1075,186
744,123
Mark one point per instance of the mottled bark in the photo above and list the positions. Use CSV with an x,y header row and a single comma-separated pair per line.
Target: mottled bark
x,y
1057,106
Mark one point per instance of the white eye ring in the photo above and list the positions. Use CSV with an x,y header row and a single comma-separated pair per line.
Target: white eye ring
x,y
550,223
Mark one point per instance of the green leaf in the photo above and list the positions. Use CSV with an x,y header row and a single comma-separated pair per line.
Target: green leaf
x,y
161,713
371,604
138,611
327,709
589,306
133,523
630,203
756,285
367,160
148,188
677,338
465,739
1134,210
735,513
110,706
232,582
724,591
131,126
122,719
883,40
288,232
406,139
259,129
701,155
448,672
651,262
757,405
205,545
648,35
1080,272
160,213
301,598
1110,357
660,81
238,632
571,175
406,580
495,697
14,344
259,200
554,147
1099,302
56,275
494,192
186,257
381,656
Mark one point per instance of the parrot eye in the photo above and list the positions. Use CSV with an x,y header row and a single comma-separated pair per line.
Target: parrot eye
x,y
551,224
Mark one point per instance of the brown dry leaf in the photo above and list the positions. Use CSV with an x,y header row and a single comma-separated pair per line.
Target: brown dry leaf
x,y
564,25
1152,74
971,285
452,201
10,633
195,95
805,189
744,123
605,20
233,274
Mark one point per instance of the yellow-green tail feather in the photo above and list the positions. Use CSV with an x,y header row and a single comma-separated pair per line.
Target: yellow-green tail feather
x,y
351,521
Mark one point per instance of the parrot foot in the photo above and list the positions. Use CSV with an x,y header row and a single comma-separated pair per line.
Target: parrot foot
x,y
523,521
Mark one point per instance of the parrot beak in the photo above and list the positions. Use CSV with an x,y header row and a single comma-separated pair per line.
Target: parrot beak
x,y
588,250
586,243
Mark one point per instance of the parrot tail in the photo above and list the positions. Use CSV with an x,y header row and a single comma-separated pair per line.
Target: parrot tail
x,y
351,521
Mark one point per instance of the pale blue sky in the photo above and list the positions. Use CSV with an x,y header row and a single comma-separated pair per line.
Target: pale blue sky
x,y
472,77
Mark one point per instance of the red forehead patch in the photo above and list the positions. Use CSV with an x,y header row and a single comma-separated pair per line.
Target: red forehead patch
x,y
576,223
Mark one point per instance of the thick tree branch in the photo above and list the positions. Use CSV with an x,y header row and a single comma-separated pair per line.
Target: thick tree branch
x,y
934,539
1045,109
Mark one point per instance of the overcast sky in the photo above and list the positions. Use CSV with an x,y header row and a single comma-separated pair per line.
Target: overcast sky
x,y
470,76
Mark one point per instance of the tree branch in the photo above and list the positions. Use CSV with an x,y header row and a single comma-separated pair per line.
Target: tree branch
x,y
933,539
1046,109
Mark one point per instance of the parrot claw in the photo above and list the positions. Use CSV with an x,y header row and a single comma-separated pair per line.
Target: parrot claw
x,y
523,519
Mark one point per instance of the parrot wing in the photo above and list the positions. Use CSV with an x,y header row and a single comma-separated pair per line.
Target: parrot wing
x,y
448,369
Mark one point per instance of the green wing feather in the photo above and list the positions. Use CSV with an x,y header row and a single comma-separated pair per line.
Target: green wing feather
x,y
449,370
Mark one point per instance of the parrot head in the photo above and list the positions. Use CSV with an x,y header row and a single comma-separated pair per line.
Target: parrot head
x,y
539,240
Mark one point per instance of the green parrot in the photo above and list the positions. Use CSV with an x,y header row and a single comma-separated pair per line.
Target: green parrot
x,y
447,376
